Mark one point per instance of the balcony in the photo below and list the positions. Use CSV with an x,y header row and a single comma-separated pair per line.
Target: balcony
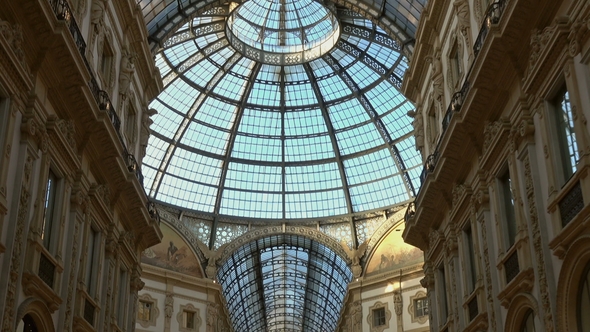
x,y
493,16
64,13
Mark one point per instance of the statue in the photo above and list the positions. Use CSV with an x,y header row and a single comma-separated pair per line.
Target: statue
x,y
127,70
356,312
355,256
168,306
97,11
397,301
212,257
145,132
418,125
212,309
437,77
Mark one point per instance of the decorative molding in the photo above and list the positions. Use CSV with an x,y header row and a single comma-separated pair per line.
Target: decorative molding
x,y
538,245
180,318
379,328
420,319
263,232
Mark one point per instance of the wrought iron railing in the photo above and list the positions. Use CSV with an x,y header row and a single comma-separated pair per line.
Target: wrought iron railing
x,y
571,204
493,15
46,270
511,267
89,310
455,105
429,166
472,308
63,12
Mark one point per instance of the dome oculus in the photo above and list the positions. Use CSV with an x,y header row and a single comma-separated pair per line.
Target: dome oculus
x,y
282,31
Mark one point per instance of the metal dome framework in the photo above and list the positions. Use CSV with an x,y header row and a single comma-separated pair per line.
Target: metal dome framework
x,y
328,138
284,282
324,141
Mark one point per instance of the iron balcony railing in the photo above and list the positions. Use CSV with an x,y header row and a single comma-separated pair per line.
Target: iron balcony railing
x,y
493,15
63,12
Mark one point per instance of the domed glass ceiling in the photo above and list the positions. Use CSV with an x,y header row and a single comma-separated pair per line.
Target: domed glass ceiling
x,y
314,139
282,32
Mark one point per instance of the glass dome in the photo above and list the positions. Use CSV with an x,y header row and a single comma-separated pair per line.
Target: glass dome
x,y
282,31
313,139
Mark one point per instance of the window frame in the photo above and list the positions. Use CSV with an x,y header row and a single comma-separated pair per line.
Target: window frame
x,y
180,317
378,307
507,207
470,258
529,318
561,153
57,192
154,310
412,310
584,282
91,272
123,295
443,303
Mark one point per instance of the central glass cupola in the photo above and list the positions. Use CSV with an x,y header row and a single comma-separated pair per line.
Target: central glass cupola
x,y
282,32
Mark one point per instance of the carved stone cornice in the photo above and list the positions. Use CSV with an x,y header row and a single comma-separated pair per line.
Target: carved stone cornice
x,y
34,286
495,139
62,136
436,240
13,59
522,283
546,47
100,195
461,201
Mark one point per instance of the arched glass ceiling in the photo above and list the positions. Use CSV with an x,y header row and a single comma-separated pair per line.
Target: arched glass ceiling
x,y
163,17
284,283
237,137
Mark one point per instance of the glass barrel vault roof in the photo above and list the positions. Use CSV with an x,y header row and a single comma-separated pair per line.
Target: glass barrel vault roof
x,y
320,138
284,283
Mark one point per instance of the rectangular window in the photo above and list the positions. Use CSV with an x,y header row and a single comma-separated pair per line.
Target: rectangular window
x,y
122,300
144,312
566,137
106,62
433,123
455,64
421,307
4,113
188,318
91,266
131,124
507,204
50,212
378,317
442,286
470,259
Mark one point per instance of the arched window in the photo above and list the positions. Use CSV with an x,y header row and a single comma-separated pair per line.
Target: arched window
x,y
584,302
528,323
27,325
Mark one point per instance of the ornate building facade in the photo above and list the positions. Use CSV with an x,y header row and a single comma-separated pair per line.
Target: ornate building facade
x,y
74,218
83,245
502,97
